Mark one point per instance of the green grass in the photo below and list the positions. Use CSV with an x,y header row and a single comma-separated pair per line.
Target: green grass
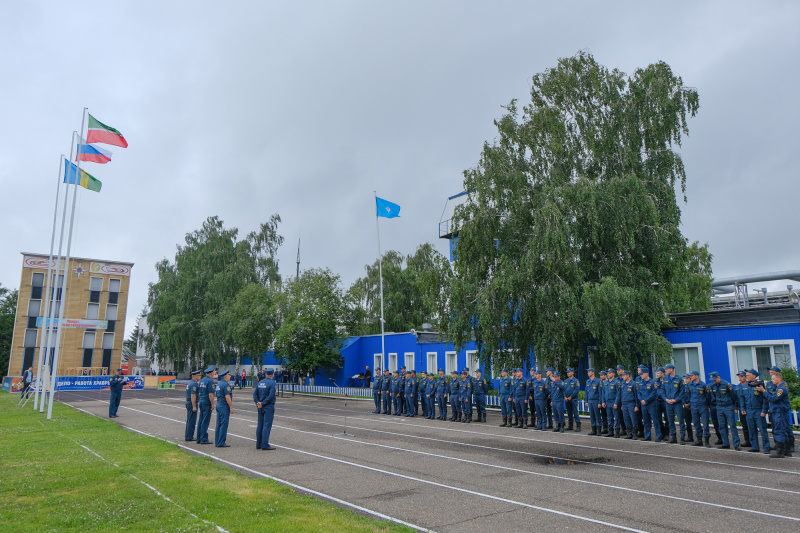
x,y
51,483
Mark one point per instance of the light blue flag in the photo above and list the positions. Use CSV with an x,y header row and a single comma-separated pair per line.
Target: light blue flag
x,y
387,209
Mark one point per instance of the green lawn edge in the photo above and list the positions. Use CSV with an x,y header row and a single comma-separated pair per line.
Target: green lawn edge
x,y
51,483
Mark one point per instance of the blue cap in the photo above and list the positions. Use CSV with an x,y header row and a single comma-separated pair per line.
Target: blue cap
x,y
454,372
556,374
226,372
741,373
642,367
479,370
269,371
386,370
550,369
196,372
752,371
413,371
603,373
775,369
670,365
714,374
537,371
465,370
591,369
695,373
210,369
378,369
570,369
660,369
403,367
440,370
620,367
505,370
612,371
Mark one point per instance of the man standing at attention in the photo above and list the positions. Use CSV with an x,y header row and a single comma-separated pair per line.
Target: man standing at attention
x,y
571,389
224,409
191,405
205,390
115,383
264,398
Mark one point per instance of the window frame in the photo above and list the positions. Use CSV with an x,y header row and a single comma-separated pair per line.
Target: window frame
x,y
699,346
448,365
435,357
733,363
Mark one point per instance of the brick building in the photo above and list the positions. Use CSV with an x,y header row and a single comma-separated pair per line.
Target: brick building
x,y
97,290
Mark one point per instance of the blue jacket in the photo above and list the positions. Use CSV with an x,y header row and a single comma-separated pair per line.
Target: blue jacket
x,y
386,384
699,395
264,392
778,398
377,385
455,389
672,388
191,388
593,390
646,391
752,401
441,386
556,389
612,389
465,388
537,390
505,386
571,388
481,387
205,389
627,392
116,383
724,395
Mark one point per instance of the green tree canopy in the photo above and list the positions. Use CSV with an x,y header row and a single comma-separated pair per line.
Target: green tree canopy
x,y
572,218
8,310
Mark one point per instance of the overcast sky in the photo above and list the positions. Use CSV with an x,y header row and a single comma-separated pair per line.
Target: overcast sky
x,y
244,109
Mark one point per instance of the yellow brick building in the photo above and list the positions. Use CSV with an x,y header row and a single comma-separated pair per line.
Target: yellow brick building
x,y
97,290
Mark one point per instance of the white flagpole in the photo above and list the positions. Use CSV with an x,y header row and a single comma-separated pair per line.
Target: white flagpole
x,y
66,267
44,329
380,274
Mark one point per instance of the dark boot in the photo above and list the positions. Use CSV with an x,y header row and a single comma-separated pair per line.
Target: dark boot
x,y
629,436
633,435
594,430
623,432
787,450
689,433
719,440
683,441
569,428
505,422
746,444
616,433
707,441
516,421
524,424
484,417
556,427
577,429
673,439
561,428
603,430
779,452
610,433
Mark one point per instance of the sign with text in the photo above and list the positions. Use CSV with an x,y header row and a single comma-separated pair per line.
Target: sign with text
x,y
66,383
72,323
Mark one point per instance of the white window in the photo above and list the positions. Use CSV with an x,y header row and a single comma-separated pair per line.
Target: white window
x,y
92,311
451,362
96,284
34,306
113,285
392,362
379,361
111,312
761,355
30,338
88,340
409,357
108,341
688,358
472,361
432,362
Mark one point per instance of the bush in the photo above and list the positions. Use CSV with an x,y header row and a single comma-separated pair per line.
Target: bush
x,y
795,404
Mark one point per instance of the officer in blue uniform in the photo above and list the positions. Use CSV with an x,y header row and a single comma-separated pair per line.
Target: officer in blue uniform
x,y
422,384
481,387
538,395
377,387
622,428
672,393
647,393
662,404
687,408
410,394
754,407
612,403
548,380
455,397
402,378
191,405
386,392
415,398
726,400
504,395
264,398
224,409
520,395
442,394
571,389
778,398
592,396
557,402
741,392
465,390
397,383
629,402
430,396
116,383
205,393
700,402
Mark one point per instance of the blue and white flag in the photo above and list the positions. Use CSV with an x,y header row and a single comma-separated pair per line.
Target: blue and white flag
x,y
386,208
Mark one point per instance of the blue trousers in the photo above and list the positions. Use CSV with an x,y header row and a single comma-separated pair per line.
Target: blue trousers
x,y
700,420
387,402
614,416
191,421
397,402
779,426
455,403
757,424
520,408
725,417
573,413
424,402
676,410
541,413
480,404
466,405
402,401
203,420
442,401
650,416
629,415
221,429
409,405
265,417
113,404
506,409
558,411
594,413
376,396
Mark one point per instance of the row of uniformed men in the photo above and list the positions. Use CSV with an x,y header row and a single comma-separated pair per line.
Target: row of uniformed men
x,y
615,404
401,393
200,395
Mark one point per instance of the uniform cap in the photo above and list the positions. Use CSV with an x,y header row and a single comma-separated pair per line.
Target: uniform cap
x,y
196,372
550,369
268,372
377,370
612,371
660,369
591,369
454,372
119,370
440,370
505,370
714,374
537,371
403,367
570,369
624,373
742,373
641,367
752,371
775,369
556,374
465,371
670,365
210,369
386,370
226,372
413,371
603,373
695,373
620,367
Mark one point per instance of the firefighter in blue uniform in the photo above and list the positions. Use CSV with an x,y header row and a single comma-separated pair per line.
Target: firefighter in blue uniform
x,y
386,392
556,390
377,387
672,393
205,393
191,405
754,407
455,397
592,396
264,398
422,384
700,403
521,399
571,389
430,395
441,394
726,400
612,403
662,405
778,397
538,396
415,398
741,392
402,378
647,394
410,394
224,409
603,376
465,389
116,383
481,387
548,380
396,399
619,416
504,395
628,402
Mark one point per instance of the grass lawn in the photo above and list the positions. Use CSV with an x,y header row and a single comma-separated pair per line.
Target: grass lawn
x,y
52,483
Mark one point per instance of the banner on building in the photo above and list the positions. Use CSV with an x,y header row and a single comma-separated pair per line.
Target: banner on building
x,y
67,383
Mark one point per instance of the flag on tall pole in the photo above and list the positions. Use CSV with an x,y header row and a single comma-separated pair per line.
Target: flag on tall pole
x,y
102,133
386,209
93,154
86,180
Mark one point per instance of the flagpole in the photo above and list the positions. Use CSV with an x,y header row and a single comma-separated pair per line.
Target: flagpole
x,y
44,329
60,328
380,274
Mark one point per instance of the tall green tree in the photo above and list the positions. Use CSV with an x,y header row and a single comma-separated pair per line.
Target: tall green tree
x,y
8,310
311,311
570,231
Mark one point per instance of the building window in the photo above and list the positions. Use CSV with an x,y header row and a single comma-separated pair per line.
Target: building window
x,y
392,362
450,362
95,286
32,321
30,338
761,355
409,361
432,362
56,286
27,360
92,311
36,286
108,345
111,312
472,360
112,324
378,361
113,290
88,347
107,360
688,358
34,307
